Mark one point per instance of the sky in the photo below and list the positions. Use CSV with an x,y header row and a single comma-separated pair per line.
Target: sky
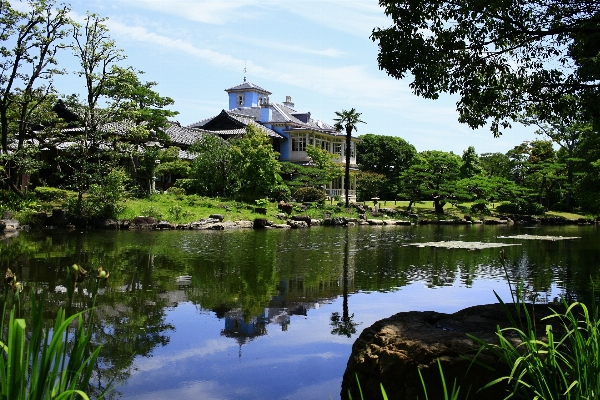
x,y
316,51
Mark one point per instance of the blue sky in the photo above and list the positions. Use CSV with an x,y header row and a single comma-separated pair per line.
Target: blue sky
x,y
318,52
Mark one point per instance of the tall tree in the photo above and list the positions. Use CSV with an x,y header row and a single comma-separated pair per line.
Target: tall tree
x,y
433,176
257,164
29,42
386,155
470,163
96,54
347,120
143,109
496,164
213,167
500,56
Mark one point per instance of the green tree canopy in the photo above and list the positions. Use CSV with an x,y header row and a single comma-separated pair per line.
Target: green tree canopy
x,y
385,155
502,57
432,176
29,42
257,164
213,168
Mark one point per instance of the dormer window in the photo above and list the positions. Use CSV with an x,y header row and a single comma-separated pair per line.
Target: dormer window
x,y
240,100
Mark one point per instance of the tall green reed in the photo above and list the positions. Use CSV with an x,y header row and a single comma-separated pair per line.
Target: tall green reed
x,y
550,366
46,361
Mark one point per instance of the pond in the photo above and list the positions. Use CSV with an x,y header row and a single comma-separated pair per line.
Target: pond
x,y
273,314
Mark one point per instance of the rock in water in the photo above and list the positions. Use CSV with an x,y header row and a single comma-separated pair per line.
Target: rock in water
x,y
392,350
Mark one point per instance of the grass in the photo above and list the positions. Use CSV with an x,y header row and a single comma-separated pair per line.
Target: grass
x,y
43,361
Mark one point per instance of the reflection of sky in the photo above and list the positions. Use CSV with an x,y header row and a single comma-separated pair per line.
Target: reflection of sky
x,y
304,362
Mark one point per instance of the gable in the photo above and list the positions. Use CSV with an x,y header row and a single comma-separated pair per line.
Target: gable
x,y
223,122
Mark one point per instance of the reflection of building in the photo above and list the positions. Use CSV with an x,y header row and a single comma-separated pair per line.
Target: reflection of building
x,y
290,131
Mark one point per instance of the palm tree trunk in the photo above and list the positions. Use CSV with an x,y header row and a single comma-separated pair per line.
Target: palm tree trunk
x,y
347,172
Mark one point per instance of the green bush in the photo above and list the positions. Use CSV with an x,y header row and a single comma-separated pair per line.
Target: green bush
x,y
188,185
309,194
176,191
105,199
46,193
479,207
280,193
521,206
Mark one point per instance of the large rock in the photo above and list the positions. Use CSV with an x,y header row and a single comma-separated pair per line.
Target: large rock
x,y
143,222
392,351
9,225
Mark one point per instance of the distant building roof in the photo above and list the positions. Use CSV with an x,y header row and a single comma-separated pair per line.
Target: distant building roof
x,y
233,123
245,86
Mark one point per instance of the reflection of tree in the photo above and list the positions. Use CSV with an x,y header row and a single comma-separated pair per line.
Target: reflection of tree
x,y
344,325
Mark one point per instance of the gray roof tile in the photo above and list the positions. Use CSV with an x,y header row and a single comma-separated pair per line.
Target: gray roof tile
x,y
246,86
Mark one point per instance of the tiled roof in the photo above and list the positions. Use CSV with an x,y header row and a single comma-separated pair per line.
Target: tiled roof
x,y
284,114
182,135
242,119
247,86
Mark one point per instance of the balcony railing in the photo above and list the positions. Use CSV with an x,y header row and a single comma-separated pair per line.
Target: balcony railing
x,y
341,193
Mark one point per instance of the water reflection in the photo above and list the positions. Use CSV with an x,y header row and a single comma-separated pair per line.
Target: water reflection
x,y
345,324
253,292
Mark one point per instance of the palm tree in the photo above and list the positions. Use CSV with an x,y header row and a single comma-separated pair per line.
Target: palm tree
x,y
347,120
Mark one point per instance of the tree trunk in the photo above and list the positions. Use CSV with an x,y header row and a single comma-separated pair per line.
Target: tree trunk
x,y
347,171
438,205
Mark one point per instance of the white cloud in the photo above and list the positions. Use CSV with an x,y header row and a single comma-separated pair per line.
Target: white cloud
x,y
292,48
209,390
356,18
158,362
205,11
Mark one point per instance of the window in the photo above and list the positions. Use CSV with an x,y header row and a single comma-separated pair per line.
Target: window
x,y
337,147
325,145
352,152
299,143
240,100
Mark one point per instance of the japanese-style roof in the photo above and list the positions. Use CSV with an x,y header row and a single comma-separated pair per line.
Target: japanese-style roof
x,y
181,135
286,115
245,86
231,123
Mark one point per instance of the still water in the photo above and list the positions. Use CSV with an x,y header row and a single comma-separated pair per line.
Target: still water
x,y
273,314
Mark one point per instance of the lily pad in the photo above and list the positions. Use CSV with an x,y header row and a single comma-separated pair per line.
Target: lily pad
x,y
538,237
457,244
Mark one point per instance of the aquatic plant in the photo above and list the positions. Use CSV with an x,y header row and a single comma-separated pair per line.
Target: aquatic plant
x,y
45,361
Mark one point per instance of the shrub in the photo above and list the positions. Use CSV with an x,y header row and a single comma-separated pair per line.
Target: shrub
x,y
105,199
479,207
176,191
521,207
309,194
188,185
52,194
280,193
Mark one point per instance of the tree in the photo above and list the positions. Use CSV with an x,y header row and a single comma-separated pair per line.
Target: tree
x,y
256,163
568,132
433,175
90,152
386,155
502,57
214,167
371,184
325,170
470,163
347,121
138,104
537,168
29,42
496,164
